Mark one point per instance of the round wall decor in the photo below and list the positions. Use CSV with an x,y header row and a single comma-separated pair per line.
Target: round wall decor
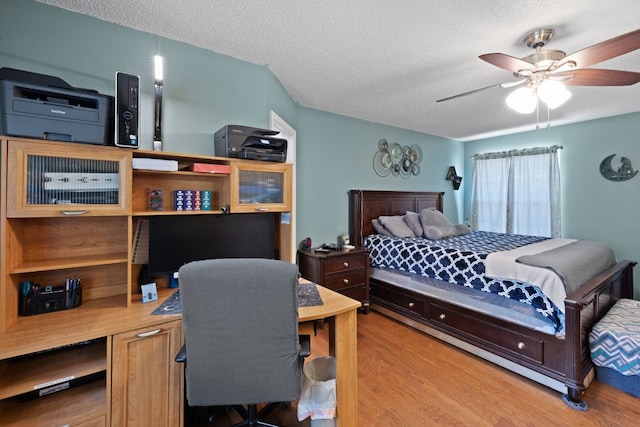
x,y
392,158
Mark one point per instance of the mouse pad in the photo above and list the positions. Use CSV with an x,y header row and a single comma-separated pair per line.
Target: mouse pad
x,y
308,296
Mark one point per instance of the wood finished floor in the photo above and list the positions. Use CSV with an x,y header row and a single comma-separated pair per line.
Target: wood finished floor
x,y
407,378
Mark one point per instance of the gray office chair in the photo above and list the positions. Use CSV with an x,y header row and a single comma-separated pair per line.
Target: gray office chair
x,y
241,334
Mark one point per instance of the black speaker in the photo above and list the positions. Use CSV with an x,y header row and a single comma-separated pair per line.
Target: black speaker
x,y
127,113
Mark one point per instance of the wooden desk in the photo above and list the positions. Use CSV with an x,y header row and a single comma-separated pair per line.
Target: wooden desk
x,y
104,318
341,314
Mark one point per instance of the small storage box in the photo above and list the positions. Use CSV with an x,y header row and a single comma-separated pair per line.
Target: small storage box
x,y
50,300
615,347
211,168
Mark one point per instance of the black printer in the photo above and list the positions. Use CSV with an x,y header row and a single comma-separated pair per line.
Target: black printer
x,y
246,142
36,105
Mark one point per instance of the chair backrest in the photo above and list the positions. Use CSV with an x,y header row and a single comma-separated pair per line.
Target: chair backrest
x,y
240,320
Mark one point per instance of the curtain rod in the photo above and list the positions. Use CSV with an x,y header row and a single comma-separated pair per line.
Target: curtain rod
x,y
519,152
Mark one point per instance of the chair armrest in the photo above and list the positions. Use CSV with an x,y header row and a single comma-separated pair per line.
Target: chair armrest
x,y
305,345
181,357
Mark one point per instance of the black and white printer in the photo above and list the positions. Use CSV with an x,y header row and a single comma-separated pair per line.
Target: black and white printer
x,y
246,142
36,105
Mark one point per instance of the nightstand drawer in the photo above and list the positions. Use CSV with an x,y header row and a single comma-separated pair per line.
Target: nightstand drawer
x,y
344,280
343,263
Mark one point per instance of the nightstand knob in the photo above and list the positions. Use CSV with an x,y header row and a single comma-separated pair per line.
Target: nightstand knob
x,y
442,316
521,345
345,264
411,305
345,281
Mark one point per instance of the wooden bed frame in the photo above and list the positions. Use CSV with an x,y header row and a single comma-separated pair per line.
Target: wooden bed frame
x,y
563,364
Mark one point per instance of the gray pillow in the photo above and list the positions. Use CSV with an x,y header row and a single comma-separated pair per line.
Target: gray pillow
x,y
436,226
413,221
396,225
380,228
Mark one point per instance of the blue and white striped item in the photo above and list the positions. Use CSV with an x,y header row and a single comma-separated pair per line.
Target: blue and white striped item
x,y
615,340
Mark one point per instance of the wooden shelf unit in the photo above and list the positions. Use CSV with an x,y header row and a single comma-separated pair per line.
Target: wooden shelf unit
x,y
90,235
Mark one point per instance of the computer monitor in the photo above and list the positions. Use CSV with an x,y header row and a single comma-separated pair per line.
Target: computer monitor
x,y
175,240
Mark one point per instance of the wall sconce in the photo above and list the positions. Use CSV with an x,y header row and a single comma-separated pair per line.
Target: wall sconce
x,y
157,133
453,177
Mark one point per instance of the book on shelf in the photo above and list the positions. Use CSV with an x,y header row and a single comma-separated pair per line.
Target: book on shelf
x,y
155,164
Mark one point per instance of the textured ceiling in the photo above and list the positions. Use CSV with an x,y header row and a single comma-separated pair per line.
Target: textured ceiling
x,y
389,61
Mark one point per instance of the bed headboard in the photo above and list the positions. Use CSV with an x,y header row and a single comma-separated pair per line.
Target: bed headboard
x,y
365,205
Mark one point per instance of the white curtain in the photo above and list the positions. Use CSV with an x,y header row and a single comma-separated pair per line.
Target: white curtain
x,y
517,192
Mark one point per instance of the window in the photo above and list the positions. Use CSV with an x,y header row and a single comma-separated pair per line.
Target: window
x,y
517,192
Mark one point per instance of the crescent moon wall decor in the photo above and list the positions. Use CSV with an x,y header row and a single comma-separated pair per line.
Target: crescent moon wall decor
x,y
623,173
392,158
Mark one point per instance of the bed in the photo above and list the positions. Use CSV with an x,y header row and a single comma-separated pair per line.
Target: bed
x,y
523,341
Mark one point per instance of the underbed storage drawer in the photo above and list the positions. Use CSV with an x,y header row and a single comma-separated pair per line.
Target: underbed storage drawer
x,y
491,333
402,300
471,327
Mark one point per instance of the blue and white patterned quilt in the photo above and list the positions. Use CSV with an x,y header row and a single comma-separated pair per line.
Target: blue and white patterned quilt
x,y
460,260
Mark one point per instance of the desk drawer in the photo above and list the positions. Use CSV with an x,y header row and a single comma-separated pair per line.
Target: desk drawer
x,y
344,263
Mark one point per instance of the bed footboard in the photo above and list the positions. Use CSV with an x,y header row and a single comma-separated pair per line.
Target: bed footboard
x,y
583,309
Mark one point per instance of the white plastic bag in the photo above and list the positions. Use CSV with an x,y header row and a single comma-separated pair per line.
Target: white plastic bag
x,y
318,397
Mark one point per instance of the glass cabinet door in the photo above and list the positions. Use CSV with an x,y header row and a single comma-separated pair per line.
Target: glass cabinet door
x,y
57,179
261,187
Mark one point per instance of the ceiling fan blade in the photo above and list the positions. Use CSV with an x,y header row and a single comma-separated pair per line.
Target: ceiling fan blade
x,y
505,85
599,77
507,62
605,50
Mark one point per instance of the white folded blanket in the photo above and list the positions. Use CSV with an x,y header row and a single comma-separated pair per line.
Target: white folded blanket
x,y
503,265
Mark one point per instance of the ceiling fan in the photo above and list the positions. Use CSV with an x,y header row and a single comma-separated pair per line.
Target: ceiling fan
x,y
552,66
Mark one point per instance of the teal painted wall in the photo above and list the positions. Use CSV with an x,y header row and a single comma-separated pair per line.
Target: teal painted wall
x,y
205,91
592,207
335,154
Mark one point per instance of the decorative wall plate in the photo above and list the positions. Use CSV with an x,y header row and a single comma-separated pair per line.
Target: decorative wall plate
x,y
396,152
623,173
382,163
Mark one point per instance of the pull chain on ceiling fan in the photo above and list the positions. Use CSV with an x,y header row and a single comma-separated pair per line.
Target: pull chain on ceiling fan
x,y
544,74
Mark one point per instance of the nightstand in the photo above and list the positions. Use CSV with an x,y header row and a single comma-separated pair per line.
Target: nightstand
x,y
344,271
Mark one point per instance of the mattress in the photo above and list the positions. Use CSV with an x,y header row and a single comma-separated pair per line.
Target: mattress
x,y
461,261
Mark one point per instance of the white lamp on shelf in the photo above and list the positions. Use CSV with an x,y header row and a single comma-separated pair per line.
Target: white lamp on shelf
x,y
157,133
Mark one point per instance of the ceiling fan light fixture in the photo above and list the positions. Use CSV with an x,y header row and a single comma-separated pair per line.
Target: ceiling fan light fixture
x,y
522,100
553,93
